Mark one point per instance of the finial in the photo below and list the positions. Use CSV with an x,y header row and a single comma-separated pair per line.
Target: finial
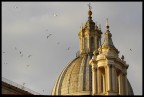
x,y
107,26
89,6
89,12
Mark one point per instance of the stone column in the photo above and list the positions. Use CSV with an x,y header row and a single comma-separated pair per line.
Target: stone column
x,y
94,80
92,62
109,76
106,79
120,78
125,83
99,80
103,83
114,79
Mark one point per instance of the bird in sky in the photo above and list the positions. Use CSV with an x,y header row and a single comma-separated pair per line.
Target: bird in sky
x,y
4,52
68,48
28,65
15,48
5,63
130,49
58,42
49,36
29,56
24,83
20,52
16,7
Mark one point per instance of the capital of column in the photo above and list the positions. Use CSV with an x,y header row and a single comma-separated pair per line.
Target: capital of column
x,y
92,61
94,69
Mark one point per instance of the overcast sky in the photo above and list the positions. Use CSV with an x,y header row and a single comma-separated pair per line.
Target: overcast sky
x,y
26,25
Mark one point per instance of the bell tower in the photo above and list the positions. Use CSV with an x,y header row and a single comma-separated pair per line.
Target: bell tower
x,y
109,72
89,36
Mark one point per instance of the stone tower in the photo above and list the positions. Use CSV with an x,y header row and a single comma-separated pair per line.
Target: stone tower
x,y
90,36
109,71
97,69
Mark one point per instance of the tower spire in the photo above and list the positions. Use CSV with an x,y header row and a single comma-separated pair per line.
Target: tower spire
x,y
108,40
89,6
89,12
107,26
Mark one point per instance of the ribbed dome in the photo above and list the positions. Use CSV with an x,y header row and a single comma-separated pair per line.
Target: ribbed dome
x,y
75,79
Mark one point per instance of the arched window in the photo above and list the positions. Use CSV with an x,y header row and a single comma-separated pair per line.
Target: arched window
x,y
92,43
102,89
85,43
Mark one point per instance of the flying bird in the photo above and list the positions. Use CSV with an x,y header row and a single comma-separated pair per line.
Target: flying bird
x,y
58,42
5,63
24,83
68,48
28,65
4,52
20,52
15,48
130,49
16,7
49,36
29,56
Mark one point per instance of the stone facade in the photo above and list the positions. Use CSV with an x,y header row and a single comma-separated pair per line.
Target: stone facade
x,y
8,89
11,88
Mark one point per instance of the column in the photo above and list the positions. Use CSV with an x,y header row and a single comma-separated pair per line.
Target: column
x,y
99,80
120,78
114,78
109,76
125,83
106,78
103,83
94,85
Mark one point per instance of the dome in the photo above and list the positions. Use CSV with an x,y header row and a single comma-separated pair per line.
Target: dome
x,y
75,79
94,75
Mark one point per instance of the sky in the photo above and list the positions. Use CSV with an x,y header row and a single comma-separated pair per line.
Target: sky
x,y
36,37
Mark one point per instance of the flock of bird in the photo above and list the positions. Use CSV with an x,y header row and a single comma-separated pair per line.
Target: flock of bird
x,y
20,53
57,42
48,36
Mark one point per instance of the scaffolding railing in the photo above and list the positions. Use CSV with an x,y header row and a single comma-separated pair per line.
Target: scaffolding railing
x,y
19,86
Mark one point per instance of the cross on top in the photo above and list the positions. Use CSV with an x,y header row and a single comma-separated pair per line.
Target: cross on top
x,y
89,6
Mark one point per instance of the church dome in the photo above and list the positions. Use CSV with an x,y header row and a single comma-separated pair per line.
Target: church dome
x,y
95,70
75,79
